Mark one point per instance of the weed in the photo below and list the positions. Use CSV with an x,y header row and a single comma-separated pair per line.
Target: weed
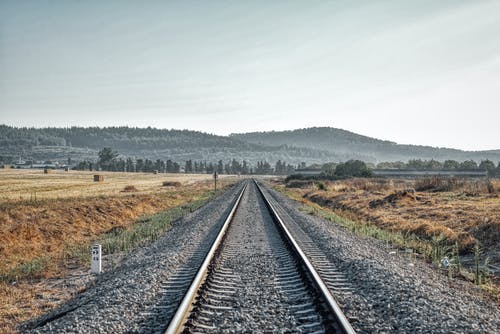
x,y
321,186
490,187
456,254
439,248
481,273
31,270
477,254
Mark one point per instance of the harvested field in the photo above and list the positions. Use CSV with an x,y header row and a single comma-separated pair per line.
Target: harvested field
x,y
18,184
466,213
46,220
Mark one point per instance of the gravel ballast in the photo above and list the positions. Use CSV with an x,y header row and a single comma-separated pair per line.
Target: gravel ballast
x,y
256,285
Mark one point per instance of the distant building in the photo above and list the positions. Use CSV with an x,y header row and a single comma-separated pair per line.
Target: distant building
x,y
22,164
308,171
40,165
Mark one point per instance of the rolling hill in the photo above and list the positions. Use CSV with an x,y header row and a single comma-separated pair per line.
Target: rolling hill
x,y
311,145
348,145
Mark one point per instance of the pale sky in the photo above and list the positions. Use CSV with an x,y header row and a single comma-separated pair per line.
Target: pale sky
x,y
414,72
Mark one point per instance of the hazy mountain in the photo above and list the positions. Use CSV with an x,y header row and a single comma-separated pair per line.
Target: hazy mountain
x,y
349,145
312,145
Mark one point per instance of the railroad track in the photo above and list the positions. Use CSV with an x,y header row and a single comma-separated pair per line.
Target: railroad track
x,y
256,277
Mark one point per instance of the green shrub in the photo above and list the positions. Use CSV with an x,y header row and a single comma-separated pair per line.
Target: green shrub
x,y
352,168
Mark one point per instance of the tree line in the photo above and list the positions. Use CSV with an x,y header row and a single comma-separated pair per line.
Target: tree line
x,y
121,137
109,160
418,164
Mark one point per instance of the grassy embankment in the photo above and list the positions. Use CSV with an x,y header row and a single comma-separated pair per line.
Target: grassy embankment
x,y
49,221
433,217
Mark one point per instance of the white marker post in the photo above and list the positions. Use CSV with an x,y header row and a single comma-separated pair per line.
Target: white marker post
x,y
96,259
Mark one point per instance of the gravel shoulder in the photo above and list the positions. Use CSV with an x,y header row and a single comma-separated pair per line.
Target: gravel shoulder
x,y
391,292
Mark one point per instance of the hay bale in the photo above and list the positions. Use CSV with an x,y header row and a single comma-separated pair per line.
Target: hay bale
x,y
129,189
66,169
155,172
98,178
47,171
171,184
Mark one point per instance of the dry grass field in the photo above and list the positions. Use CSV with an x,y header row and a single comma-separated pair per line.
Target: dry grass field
x,y
48,221
18,184
467,212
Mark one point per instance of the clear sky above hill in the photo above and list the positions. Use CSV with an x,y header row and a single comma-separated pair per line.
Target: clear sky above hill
x,y
419,72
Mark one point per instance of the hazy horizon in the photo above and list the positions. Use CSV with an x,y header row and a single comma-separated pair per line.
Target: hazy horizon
x,y
421,73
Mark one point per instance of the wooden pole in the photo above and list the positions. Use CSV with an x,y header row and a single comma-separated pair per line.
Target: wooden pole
x,y
215,181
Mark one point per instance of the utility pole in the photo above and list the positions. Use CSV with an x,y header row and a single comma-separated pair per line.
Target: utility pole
x,y
216,176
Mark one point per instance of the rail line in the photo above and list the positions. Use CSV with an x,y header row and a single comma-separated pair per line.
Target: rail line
x,y
257,269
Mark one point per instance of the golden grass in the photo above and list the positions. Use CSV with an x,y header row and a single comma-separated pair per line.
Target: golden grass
x,y
467,214
19,184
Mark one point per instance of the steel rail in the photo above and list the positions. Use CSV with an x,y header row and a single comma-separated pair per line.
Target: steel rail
x,y
177,322
333,306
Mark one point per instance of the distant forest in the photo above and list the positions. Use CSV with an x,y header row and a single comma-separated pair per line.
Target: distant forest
x,y
120,138
349,145
309,146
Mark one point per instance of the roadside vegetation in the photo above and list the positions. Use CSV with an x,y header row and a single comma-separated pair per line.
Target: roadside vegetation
x,y
50,221
435,218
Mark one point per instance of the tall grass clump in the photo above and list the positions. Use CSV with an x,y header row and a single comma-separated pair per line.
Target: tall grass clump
x,y
321,186
437,183
30,270
481,272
